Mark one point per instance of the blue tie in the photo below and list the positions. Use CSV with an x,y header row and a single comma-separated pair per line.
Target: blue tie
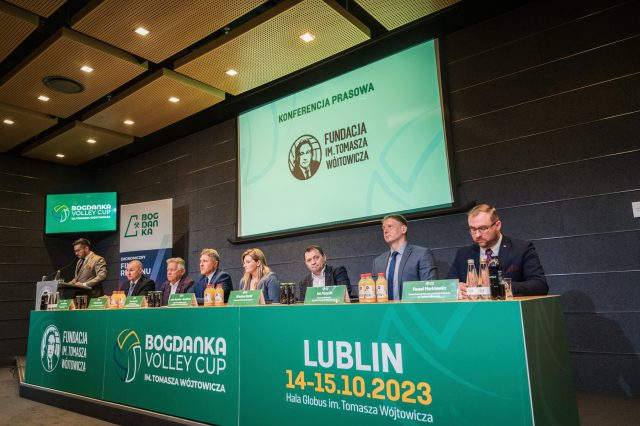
x,y
392,271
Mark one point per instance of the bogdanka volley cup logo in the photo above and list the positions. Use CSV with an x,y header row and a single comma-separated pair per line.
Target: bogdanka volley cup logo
x,y
305,157
60,213
50,348
127,354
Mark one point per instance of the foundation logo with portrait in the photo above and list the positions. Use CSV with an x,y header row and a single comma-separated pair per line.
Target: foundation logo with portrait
x,y
305,157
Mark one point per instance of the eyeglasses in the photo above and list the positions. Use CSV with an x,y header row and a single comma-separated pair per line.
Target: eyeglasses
x,y
481,229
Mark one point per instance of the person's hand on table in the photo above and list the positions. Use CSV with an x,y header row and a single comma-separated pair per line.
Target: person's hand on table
x,y
462,291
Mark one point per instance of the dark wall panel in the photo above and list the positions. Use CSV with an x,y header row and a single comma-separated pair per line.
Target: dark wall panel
x,y
26,254
545,125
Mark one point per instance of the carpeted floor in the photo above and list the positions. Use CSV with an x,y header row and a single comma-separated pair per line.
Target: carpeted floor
x,y
595,410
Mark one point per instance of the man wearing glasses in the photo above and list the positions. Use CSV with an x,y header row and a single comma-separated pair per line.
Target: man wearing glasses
x,y
519,259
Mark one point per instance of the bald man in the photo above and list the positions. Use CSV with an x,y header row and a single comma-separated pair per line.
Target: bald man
x,y
137,284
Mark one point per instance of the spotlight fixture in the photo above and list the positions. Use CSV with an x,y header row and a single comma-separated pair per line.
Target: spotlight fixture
x,y
307,37
86,69
174,99
231,72
60,155
8,121
128,122
142,31
43,98
91,141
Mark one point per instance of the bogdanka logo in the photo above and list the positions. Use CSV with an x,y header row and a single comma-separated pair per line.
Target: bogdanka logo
x,y
50,348
145,226
305,157
127,354
60,213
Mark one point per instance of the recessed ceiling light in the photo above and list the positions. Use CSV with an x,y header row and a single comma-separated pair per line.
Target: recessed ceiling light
x,y
43,98
231,72
142,31
7,121
86,68
128,122
174,99
307,37
91,141
60,155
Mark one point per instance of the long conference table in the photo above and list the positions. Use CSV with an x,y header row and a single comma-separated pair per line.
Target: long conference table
x,y
445,363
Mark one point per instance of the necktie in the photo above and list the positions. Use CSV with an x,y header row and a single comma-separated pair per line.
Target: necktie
x,y
489,253
306,174
80,263
131,286
392,271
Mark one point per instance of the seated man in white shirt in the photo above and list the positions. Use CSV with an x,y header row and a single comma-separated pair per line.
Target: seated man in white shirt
x,y
321,274
177,280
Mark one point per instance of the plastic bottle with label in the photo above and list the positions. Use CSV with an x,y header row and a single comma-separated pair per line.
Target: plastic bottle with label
x,y
382,288
361,287
218,296
209,295
369,290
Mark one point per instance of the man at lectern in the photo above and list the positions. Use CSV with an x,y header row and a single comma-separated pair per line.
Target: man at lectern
x,y
91,269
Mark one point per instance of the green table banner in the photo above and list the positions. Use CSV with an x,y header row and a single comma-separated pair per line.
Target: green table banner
x,y
66,351
331,295
438,290
461,363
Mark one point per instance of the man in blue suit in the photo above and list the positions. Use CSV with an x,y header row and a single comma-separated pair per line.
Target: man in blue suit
x,y
211,274
519,259
403,262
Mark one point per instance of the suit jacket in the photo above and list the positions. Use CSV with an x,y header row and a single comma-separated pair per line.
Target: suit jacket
x,y
332,276
92,272
184,285
218,277
313,168
269,285
143,286
417,264
519,260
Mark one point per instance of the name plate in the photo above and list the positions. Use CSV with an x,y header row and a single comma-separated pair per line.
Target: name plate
x,y
185,300
135,302
436,290
331,295
99,303
65,305
246,298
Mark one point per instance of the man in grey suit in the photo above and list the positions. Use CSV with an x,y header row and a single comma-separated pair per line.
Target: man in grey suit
x,y
91,269
403,262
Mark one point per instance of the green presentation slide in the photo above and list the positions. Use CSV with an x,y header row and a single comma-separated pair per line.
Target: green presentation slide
x,y
361,145
88,212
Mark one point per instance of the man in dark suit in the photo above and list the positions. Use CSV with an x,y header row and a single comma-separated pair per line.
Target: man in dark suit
x,y
519,259
321,275
211,274
137,284
305,166
403,262
177,281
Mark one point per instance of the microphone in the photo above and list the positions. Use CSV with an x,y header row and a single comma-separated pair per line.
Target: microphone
x,y
57,272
